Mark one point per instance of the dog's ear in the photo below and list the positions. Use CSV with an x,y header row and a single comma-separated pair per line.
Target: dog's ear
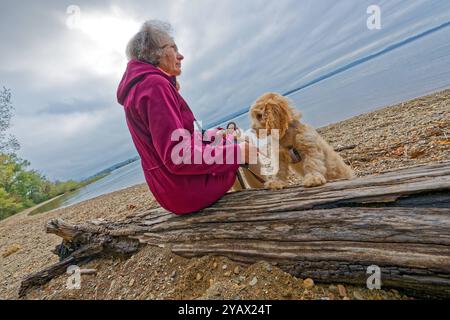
x,y
278,114
295,114
270,119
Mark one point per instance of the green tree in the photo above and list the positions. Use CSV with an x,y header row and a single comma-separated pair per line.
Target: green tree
x,y
10,167
8,204
8,143
28,186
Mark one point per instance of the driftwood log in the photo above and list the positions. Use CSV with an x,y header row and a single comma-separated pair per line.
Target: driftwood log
x,y
399,221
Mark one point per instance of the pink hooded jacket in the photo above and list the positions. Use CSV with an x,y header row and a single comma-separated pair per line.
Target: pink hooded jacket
x,y
154,109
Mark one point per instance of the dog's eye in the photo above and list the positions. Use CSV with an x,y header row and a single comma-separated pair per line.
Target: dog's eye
x,y
259,116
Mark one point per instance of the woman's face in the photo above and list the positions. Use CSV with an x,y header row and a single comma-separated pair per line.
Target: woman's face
x,y
171,59
231,127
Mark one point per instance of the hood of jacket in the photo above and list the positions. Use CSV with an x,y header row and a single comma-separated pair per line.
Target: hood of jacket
x,y
136,71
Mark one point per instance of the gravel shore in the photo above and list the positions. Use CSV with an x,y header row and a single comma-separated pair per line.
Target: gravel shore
x,y
408,134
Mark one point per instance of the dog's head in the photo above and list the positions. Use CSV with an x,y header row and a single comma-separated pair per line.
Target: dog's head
x,y
272,111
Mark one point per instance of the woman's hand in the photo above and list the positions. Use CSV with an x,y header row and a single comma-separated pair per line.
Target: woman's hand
x,y
249,153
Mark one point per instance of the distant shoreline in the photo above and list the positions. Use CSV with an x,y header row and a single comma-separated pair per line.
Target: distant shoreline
x,y
114,167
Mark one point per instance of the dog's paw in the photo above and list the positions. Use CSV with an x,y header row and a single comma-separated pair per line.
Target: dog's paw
x,y
314,180
275,185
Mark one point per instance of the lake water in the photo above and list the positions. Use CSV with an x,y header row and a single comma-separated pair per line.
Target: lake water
x,y
124,177
129,175
410,70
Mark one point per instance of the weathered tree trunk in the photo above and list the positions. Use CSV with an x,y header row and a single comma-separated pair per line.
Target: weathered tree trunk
x,y
399,221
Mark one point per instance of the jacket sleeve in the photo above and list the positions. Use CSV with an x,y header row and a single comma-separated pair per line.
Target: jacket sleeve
x,y
163,116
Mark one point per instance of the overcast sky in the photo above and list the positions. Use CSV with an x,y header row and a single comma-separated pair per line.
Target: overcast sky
x,y
64,79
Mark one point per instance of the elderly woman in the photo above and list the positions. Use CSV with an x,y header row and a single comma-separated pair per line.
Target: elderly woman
x,y
154,109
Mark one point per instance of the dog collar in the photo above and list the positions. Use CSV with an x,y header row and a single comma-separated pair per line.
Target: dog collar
x,y
295,155
294,124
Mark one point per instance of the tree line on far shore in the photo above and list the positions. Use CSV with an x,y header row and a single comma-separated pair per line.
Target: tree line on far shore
x,y
21,187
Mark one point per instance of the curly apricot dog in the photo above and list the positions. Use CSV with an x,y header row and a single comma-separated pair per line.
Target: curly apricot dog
x,y
300,145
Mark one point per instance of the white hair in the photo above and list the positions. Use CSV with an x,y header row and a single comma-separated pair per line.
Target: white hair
x,y
146,44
